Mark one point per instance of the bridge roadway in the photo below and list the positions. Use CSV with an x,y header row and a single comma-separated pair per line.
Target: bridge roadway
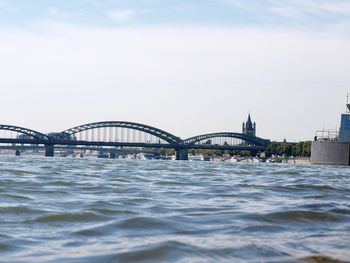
x,y
181,150
121,150
181,147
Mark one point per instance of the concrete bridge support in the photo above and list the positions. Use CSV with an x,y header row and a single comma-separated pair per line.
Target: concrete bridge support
x,y
181,154
49,150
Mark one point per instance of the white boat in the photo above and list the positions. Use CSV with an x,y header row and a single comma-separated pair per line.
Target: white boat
x,y
196,158
234,160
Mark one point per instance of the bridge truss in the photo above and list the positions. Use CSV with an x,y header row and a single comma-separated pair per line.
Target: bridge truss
x,y
17,131
226,138
130,134
119,131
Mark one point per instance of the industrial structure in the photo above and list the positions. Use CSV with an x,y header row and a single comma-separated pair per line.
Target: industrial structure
x,y
333,147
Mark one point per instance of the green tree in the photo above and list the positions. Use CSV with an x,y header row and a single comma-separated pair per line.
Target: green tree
x,y
289,149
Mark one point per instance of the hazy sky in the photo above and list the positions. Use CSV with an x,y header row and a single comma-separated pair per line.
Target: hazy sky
x,y
188,67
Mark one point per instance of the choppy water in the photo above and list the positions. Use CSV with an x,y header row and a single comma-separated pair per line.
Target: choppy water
x,y
77,210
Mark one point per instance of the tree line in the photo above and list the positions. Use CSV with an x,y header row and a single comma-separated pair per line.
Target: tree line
x,y
301,149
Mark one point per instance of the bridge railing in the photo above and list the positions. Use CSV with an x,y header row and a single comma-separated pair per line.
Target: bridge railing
x,y
223,141
327,135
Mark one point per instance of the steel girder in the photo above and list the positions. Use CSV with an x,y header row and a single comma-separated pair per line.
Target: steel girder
x,y
170,138
32,133
250,139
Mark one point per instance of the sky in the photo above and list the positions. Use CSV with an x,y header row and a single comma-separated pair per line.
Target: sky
x,y
187,67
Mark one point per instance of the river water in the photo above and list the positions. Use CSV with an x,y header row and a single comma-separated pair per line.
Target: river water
x,y
80,210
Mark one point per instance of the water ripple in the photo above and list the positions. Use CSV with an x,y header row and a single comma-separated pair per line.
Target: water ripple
x,y
80,210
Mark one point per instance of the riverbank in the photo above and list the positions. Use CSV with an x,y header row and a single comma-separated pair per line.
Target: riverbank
x,y
298,160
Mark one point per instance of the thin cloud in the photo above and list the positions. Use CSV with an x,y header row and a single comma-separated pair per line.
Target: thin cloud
x,y
293,10
340,8
61,14
286,12
153,67
5,6
126,14
96,3
122,14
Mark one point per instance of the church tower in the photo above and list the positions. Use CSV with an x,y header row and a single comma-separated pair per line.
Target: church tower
x,y
249,127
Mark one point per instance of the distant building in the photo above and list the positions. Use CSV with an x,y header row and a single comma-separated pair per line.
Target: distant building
x,y
249,128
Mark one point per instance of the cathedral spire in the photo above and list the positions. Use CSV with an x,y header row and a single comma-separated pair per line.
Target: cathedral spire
x,y
249,128
249,121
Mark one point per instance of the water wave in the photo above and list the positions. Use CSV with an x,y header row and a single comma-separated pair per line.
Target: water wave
x,y
79,210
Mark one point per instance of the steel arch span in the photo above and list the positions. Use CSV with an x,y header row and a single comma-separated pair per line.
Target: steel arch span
x,y
29,132
257,141
168,137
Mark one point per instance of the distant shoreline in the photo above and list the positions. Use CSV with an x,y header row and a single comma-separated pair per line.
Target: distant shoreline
x,y
298,160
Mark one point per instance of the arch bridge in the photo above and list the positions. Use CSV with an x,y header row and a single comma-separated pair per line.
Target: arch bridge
x,y
27,133
129,134
227,138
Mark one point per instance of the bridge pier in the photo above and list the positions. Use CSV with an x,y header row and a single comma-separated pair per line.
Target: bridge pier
x,y
112,155
181,154
18,153
49,150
